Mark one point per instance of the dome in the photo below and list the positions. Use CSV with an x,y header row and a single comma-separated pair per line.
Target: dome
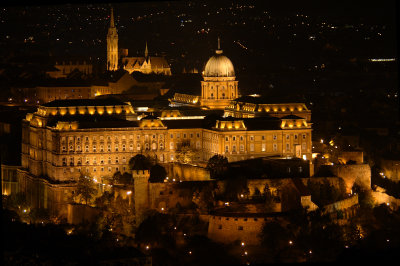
x,y
219,66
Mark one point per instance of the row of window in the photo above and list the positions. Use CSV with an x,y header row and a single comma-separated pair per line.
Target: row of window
x,y
87,161
263,147
274,137
101,169
116,147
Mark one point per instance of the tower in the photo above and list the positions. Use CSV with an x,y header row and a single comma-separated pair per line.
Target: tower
x,y
112,45
220,85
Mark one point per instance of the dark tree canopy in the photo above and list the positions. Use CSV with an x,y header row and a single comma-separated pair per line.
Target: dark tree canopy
x,y
217,165
157,174
139,162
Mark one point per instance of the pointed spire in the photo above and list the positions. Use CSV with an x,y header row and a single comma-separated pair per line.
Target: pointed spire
x,y
146,51
112,25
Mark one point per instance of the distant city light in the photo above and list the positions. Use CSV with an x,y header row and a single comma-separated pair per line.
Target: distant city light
x,y
382,59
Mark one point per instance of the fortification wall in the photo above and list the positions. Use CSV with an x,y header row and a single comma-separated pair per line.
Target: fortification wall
x,y
356,156
226,230
187,172
359,174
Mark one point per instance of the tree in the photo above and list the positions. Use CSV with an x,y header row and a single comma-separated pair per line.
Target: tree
x,y
185,154
217,165
85,187
274,236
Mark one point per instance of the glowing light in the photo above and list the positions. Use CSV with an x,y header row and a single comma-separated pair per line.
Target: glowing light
x,y
242,244
162,209
290,242
128,192
322,141
226,203
147,247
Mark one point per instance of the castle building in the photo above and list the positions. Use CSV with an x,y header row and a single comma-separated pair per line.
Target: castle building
x,y
147,64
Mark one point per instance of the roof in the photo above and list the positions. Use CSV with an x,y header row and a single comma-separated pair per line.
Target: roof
x,y
84,102
263,123
291,117
184,123
94,121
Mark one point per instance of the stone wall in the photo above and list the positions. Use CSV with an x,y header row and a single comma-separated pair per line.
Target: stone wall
x,y
356,156
359,174
227,229
187,172
78,213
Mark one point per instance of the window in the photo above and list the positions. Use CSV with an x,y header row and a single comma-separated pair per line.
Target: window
x,y
274,137
303,146
300,169
78,148
154,146
304,136
116,147
64,148
79,161
172,157
154,136
287,136
184,135
226,148
171,136
295,136
226,138
191,135
220,226
64,161
198,135
86,138
116,160
109,147
241,138
251,147
87,160
101,160
146,146
171,145
116,169
251,138
109,160
241,147
123,160
263,148
71,148
240,228
233,148
161,145
101,148
234,138
198,145
94,169
94,160
178,135
263,137
138,147
131,147
275,147
94,148
87,148
123,147
287,147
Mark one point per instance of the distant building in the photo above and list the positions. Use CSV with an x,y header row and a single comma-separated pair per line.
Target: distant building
x,y
145,64
64,68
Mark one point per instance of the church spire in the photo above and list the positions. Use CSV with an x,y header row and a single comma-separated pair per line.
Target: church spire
x,y
112,25
146,51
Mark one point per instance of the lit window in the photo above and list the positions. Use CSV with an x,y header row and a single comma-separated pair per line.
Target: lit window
x,y
171,145
94,148
116,147
263,148
108,147
226,148
241,147
233,148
